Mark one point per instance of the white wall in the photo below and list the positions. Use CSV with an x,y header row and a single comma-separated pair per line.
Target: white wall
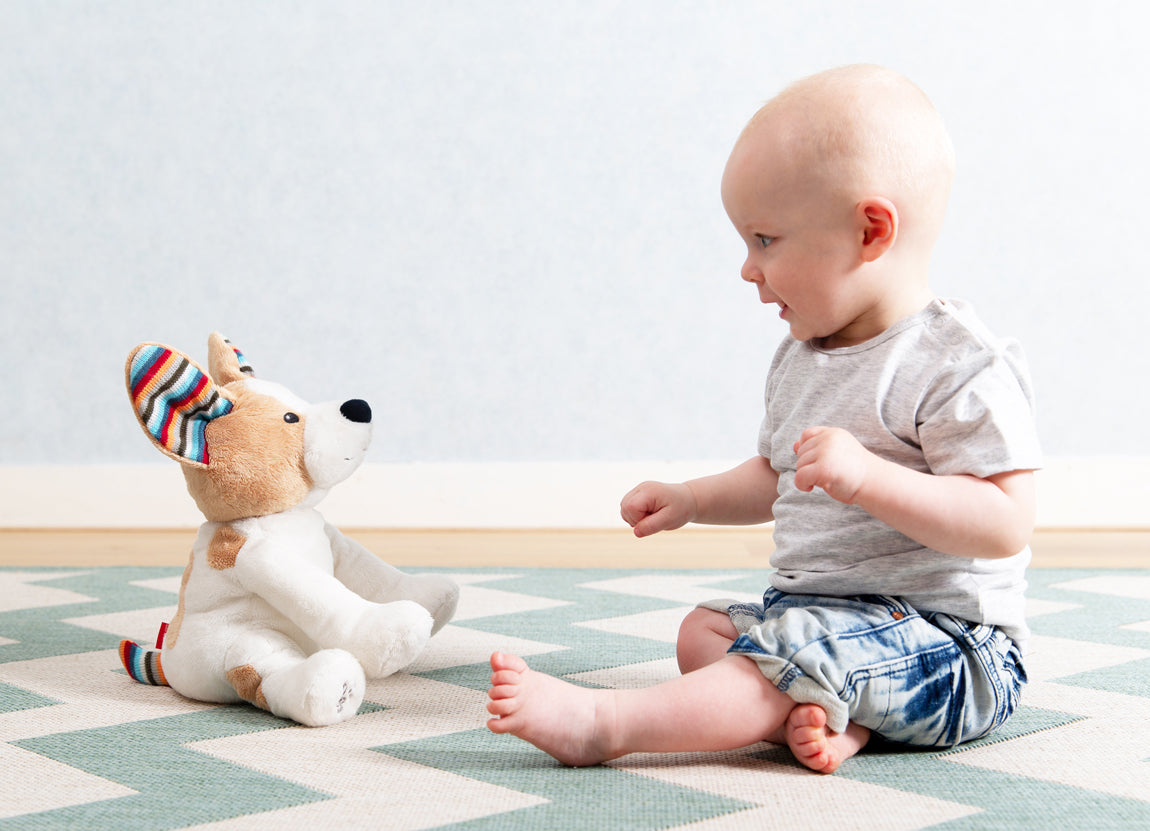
x,y
500,222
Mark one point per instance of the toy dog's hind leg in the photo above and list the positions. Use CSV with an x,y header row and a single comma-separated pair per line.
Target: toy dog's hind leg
x,y
272,673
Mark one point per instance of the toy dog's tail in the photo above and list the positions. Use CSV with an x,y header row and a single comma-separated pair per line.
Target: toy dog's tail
x,y
144,664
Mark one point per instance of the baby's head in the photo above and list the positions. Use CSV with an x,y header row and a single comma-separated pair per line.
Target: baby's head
x,y
840,184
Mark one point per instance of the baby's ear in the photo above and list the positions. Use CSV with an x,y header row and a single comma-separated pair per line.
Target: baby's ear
x,y
879,220
174,400
225,362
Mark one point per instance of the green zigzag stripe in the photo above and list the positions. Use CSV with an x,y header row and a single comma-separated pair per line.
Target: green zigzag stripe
x,y
16,698
591,798
177,786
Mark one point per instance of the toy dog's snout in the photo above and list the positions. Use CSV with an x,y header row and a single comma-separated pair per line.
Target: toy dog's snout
x,y
356,410
336,440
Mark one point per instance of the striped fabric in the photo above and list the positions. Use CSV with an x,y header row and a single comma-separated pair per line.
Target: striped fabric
x,y
245,367
142,664
174,400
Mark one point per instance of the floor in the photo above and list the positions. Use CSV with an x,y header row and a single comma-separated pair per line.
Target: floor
x,y
688,548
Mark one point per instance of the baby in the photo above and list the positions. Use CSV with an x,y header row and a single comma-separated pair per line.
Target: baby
x,y
896,457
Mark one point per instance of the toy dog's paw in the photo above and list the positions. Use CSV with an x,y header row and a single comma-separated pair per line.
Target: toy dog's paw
x,y
331,700
390,636
436,593
324,689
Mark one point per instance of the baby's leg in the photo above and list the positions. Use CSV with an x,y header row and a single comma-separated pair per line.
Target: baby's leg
x,y
704,638
725,705
814,745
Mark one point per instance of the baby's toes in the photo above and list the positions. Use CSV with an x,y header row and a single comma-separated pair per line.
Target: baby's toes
x,y
803,736
505,677
500,691
501,706
809,716
503,661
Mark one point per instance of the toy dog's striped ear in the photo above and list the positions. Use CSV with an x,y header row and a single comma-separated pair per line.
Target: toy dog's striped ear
x,y
174,400
225,362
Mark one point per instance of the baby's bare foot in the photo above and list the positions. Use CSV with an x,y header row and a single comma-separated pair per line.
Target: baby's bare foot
x,y
561,719
815,745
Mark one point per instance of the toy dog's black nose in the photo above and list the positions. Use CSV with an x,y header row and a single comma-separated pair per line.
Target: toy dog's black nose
x,y
356,410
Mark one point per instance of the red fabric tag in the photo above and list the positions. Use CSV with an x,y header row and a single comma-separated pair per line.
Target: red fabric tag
x,y
160,636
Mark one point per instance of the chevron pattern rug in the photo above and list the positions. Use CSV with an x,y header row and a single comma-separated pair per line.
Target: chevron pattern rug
x,y
84,747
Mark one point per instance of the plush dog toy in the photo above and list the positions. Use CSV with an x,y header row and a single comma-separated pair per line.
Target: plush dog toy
x,y
277,607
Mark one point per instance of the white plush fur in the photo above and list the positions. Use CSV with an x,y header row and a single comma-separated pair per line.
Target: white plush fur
x,y
304,610
288,597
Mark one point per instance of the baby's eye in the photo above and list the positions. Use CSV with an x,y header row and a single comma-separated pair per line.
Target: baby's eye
x,y
764,241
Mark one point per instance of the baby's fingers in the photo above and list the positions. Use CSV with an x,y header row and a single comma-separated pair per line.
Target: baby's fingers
x,y
806,477
635,506
809,437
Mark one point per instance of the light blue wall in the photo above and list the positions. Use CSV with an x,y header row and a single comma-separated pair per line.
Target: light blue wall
x,y
500,223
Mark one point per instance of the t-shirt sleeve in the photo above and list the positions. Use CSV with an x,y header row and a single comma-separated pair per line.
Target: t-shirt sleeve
x,y
977,416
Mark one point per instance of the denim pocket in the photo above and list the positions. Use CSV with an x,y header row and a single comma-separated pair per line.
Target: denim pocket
x,y
996,669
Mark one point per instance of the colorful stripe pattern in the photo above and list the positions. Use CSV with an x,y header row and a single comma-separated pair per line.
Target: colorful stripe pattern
x,y
174,400
143,665
245,367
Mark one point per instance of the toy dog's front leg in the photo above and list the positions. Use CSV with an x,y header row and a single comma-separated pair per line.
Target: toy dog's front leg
x,y
370,577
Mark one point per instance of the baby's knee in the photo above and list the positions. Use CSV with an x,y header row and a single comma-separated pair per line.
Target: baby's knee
x,y
702,622
704,637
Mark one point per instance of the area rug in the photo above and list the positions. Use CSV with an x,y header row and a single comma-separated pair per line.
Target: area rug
x,y
84,747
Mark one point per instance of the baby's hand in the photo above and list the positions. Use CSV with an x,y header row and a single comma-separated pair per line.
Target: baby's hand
x,y
832,459
656,506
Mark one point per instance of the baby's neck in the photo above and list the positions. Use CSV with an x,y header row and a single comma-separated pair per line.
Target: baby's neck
x,y
889,310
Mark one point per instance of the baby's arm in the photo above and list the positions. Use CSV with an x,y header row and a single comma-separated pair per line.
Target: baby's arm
x,y
961,515
744,495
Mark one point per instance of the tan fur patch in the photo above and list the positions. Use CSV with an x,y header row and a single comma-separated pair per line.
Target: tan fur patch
x,y
174,626
248,685
225,547
256,463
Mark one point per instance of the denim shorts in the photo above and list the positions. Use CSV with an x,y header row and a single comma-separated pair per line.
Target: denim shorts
x,y
924,679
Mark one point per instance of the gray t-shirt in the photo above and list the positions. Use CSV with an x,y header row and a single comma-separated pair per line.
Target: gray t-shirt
x,y
937,393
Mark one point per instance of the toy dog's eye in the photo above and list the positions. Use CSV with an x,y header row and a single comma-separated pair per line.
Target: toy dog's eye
x,y
291,418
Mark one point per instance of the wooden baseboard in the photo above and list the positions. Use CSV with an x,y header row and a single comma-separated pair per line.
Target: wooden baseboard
x,y
744,548
1073,493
